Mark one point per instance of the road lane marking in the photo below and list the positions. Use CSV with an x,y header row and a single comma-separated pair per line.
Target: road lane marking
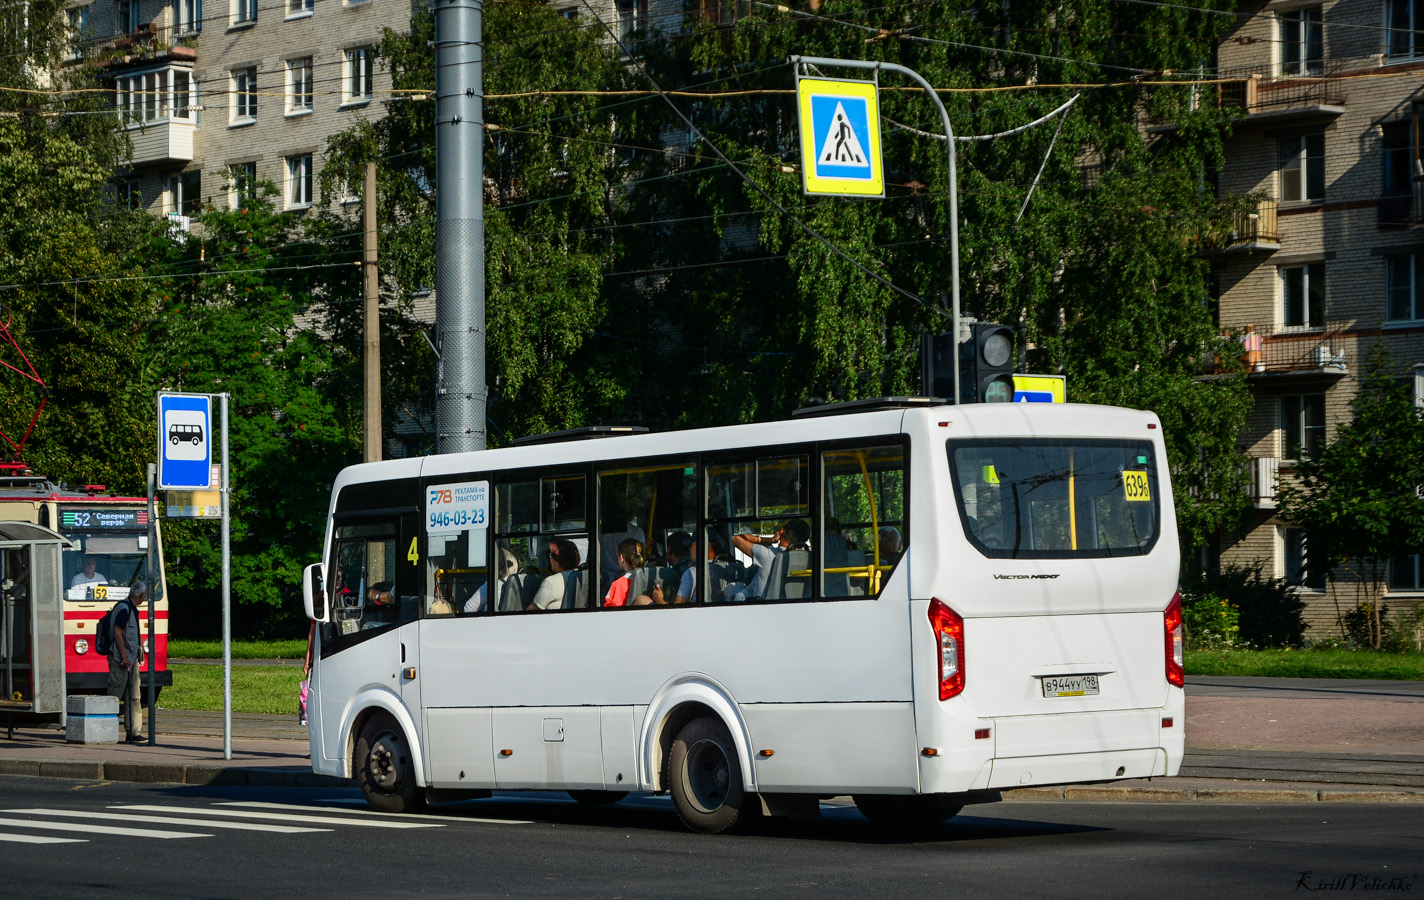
x,y
275,817
101,829
166,820
454,817
40,839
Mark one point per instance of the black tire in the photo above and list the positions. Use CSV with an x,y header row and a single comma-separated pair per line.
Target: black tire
x,y
705,779
598,798
385,769
907,812
173,440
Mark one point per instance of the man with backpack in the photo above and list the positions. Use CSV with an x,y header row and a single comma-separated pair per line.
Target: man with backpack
x,y
125,654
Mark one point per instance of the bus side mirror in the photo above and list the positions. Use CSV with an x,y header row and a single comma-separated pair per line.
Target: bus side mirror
x,y
313,594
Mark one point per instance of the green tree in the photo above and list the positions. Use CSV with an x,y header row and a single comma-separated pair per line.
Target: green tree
x,y
1359,499
235,319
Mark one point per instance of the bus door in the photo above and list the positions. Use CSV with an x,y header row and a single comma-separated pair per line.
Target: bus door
x,y
370,640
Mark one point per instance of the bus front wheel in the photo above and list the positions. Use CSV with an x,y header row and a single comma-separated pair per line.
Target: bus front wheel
x,y
911,811
384,767
706,779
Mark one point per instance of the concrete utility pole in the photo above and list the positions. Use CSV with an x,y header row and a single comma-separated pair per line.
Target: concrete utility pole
x,y
370,285
460,226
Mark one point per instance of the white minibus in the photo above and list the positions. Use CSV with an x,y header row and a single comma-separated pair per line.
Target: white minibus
x,y
930,604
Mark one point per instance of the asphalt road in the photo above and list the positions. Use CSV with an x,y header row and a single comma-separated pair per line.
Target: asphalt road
x,y
183,845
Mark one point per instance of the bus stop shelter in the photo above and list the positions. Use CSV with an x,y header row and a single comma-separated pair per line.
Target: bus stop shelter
x,y
31,621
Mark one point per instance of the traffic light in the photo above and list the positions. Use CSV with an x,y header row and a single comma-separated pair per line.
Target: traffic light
x,y
986,364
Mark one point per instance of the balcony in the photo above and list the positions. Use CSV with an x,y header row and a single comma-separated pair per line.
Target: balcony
x,y
150,43
1268,98
1288,354
162,142
1253,231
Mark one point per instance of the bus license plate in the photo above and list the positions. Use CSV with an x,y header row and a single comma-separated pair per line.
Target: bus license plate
x,y
1070,686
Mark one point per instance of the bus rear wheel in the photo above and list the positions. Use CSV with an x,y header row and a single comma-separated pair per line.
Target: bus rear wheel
x,y
385,769
907,812
705,778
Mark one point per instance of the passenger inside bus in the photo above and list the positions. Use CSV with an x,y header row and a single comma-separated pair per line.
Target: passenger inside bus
x,y
563,566
632,588
508,565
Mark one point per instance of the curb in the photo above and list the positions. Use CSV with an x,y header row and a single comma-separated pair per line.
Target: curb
x,y
1098,793
158,773
301,777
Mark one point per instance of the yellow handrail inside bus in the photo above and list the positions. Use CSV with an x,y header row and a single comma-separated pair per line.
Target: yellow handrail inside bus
x,y
1072,502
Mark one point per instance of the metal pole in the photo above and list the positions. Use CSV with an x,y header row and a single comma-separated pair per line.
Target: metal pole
x,y
460,226
953,177
226,590
371,291
152,598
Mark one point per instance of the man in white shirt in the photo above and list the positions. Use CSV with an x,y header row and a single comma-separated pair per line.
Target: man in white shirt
x,y
88,576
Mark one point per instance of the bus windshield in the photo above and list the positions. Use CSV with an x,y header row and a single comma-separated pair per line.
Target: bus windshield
x,y
1056,498
111,561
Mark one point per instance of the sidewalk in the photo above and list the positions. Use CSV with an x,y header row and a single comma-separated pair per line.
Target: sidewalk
x,y
1248,740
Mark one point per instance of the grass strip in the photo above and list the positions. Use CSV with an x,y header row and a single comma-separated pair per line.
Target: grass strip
x,y
1308,664
255,689
240,649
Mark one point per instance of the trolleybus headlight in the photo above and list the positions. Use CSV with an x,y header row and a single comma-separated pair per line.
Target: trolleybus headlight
x,y
81,646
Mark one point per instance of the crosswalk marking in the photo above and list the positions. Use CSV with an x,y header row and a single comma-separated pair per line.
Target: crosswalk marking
x,y
101,829
277,817
167,820
454,817
39,839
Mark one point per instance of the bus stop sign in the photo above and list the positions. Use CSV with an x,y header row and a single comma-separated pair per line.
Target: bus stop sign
x,y
840,137
185,441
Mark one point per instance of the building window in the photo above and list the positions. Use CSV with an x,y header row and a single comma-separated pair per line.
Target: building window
x,y
1399,160
244,95
1303,424
632,15
187,16
1405,275
1405,31
298,8
242,184
299,181
185,193
244,12
148,97
1303,289
1302,47
570,13
1406,573
1302,165
78,30
718,12
1297,570
299,85
359,69
129,196
127,21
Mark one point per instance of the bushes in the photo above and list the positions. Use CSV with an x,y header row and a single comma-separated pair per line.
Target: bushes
x,y
1238,606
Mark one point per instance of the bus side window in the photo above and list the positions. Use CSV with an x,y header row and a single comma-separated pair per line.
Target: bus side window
x,y
532,515
456,572
757,513
863,523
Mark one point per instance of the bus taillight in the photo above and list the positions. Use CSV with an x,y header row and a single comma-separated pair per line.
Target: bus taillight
x,y
1172,622
949,633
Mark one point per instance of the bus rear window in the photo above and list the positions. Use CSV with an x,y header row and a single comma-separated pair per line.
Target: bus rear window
x,y
1056,499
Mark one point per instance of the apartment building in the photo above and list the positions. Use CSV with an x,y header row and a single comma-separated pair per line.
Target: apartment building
x,y
1333,261
222,97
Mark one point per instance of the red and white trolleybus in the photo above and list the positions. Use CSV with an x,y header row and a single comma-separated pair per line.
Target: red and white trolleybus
x,y
110,551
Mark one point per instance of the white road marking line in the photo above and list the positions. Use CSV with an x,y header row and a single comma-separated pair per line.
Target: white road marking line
x,y
40,839
276,817
100,829
454,817
166,820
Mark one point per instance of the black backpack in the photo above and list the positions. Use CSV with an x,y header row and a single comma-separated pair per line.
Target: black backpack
x,y
103,634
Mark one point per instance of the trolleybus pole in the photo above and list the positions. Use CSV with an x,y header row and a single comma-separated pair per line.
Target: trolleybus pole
x,y
953,177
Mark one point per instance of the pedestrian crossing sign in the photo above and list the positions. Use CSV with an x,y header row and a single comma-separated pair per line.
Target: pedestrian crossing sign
x,y
840,137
